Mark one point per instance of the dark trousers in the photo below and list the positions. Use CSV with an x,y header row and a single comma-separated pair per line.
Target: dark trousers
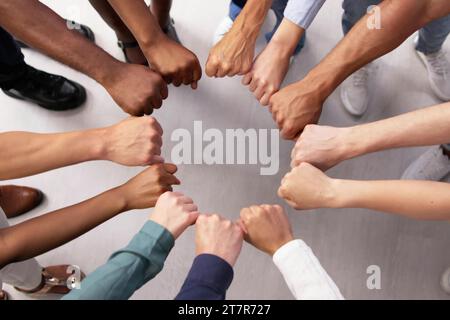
x,y
12,63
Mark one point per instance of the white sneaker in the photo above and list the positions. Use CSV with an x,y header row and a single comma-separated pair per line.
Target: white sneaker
x,y
433,165
445,281
355,90
222,29
438,67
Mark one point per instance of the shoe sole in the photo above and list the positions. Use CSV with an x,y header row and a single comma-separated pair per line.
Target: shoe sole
x,y
347,106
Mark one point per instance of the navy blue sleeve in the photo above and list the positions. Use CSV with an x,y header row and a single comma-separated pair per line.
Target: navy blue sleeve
x,y
209,279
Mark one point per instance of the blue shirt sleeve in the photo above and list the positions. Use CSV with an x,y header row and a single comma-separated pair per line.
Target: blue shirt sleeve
x,y
209,279
303,12
128,269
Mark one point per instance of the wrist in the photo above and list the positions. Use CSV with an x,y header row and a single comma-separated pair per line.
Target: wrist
x,y
108,72
286,38
280,244
343,194
352,142
119,199
97,140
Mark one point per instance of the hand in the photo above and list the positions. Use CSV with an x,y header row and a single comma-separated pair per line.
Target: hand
x,y
134,142
268,72
307,187
294,107
175,212
174,62
143,191
233,55
136,89
267,227
218,236
323,147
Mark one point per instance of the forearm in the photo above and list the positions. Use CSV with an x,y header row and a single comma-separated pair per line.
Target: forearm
x,y
304,274
287,37
399,19
423,127
139,19
24,154
424,200
39,235
252,17
48,32
142,259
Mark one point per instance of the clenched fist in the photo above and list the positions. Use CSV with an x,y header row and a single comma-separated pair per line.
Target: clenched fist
x,y
143,191
307,187
218,236
322,146
136,89
175,212
294,107
233,55
267,227
134,142
175,63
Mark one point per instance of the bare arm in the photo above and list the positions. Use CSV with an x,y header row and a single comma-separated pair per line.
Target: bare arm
x,y
300,104
136,89
175,63
307,187
235,52
41,234
324,146
132,142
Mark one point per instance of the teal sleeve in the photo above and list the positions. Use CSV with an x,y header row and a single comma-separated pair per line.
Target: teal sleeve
x,y
128,269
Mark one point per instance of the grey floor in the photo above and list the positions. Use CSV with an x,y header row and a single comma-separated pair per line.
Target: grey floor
x,y
411,254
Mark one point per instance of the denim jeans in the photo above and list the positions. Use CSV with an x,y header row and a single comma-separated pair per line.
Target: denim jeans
x,y
431,37
12,64
278,7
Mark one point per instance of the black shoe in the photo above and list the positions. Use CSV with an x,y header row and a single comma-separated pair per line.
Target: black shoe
x,y
49,91
85,31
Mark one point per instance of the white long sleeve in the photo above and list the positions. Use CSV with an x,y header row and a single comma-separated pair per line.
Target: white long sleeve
x,y
303,12
303,273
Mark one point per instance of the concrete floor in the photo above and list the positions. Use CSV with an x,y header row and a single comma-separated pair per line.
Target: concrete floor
x,y
411,254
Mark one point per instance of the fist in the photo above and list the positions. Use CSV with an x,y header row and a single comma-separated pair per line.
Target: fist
x,y
294,107
175,212
218,236
134,142
137,89
267,227
324,147
143,191
307,187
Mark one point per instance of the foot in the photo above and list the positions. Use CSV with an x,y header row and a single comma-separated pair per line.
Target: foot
x,y
85,31
355,91
445,281
433,165
15,200
222,29
55,280
438,67
3,295
49,91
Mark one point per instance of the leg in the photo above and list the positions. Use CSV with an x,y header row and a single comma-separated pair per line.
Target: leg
x,y
433,35
12,64
355,10
161,11
112,19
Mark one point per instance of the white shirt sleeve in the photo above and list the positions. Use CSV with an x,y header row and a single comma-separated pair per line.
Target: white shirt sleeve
x,y
303,12
303,273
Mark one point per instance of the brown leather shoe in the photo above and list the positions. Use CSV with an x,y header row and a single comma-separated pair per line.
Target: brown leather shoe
x,y
15,200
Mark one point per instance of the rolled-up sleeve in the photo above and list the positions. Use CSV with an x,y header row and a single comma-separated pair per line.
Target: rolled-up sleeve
x,y
303,12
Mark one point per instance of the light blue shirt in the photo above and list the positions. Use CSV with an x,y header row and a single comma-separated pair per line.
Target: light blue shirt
x,y
303,12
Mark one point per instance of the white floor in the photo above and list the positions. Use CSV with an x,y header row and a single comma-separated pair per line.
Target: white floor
x,y
412,254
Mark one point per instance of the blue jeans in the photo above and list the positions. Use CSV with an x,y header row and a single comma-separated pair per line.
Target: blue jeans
x,y
278,7
12,64
431,37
